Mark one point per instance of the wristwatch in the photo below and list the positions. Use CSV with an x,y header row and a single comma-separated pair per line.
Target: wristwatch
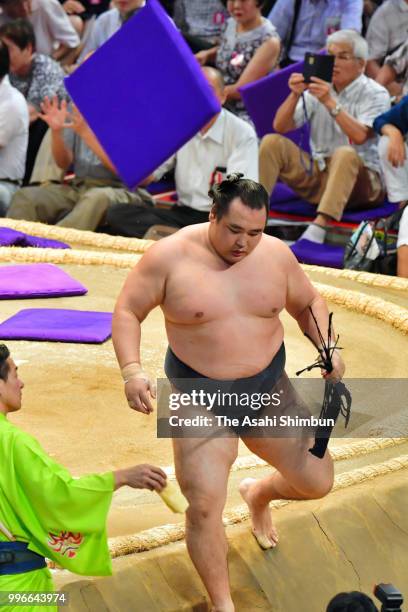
x,y
335,111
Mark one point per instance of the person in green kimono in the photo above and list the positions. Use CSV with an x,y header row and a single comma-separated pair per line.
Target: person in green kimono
x,y
45,512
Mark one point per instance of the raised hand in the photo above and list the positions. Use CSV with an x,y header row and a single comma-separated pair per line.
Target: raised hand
x,y
55,115
202,57
297,83
73,7
320,89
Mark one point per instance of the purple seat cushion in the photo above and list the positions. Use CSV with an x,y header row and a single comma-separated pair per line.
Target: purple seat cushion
x,y
301,208
58,325
282,193
37,281
143,93
328,255
263,97
11,237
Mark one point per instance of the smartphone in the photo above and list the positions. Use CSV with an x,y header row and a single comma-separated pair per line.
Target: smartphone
x,y
320,66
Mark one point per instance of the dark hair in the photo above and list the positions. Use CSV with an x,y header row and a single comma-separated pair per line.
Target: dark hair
x,y
251,193
351,602
20,32
4,60
4,366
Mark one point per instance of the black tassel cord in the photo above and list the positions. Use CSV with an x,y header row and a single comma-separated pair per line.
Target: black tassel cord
x,y
337,398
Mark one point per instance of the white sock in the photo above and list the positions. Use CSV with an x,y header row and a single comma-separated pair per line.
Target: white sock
x,y
314,233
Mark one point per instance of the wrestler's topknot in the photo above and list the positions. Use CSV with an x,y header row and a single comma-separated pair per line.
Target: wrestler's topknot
x,y
234,177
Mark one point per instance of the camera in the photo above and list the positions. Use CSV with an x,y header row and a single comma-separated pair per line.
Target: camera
x,y
317,65
389,596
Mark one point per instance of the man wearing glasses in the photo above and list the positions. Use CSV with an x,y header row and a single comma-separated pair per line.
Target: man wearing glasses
x,y
343,169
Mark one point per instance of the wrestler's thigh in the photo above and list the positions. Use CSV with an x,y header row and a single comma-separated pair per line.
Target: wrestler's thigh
x,y
290,453
203,466
291,457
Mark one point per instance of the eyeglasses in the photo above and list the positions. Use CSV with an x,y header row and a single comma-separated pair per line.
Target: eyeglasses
x,y
343,57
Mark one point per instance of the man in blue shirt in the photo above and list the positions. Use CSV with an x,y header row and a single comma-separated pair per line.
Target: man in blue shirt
x,y
393,150
316,19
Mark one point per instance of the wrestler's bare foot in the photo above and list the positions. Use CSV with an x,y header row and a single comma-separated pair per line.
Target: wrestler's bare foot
x,y
262,528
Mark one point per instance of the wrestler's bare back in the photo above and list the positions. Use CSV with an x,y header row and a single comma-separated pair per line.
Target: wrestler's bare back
x,y
222,319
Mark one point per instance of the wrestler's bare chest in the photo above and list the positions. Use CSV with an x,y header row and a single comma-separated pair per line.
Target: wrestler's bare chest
x,y
199,292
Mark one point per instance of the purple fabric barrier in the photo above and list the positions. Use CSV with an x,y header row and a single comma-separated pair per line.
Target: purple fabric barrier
x,y
282,193
11,237
37,281
57,325
328,255
263,98
301,208
143,93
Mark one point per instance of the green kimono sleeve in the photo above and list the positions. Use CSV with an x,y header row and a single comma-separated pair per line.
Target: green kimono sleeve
x,y
63,518
36,581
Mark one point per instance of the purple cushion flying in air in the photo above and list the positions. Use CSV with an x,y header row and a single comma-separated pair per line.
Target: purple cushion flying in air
x,y
11,237
37,281
301,208
263,98
143,93
328,255
58,325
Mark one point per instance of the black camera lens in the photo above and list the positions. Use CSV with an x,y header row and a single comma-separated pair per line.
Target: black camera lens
x,y
389,596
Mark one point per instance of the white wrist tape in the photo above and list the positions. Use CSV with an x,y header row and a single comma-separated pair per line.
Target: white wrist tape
x,y
134,370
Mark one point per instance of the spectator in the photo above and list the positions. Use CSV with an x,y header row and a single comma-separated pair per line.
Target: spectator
x,y
387,31
395,71
393,149
315,20
13,134
370,6
81,11
225,145
200,22
108,23
344,169
249,49
45,511
53,31
35,75
83,203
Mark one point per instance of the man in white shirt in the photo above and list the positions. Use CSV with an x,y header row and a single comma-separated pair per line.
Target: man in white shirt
x,y
226,145
14,123
344,168
109,23
54,33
